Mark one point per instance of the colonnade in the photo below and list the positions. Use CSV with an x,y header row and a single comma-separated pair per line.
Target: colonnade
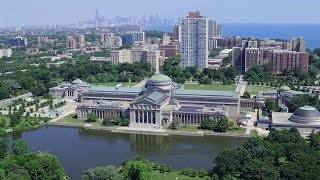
x,y
99,113
145,117
192,119
70,93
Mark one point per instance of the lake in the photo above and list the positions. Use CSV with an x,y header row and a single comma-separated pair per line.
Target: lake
x,y
80,149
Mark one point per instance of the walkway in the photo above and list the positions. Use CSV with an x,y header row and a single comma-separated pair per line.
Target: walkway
x,y
241,85
7,102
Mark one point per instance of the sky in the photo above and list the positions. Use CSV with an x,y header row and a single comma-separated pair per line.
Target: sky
x,y
36,12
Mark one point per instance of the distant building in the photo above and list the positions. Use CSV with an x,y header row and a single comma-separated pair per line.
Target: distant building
x,y
109,40
212,29
287,60
75,41
298,44
177,33
230,42
195,38
251,58
128,39
170,50
153,56
43,40
270,43
99,60
5,53
18,41
139,36
219,31
166,39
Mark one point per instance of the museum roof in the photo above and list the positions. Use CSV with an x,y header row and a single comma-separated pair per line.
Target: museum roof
x,y
105,89
195,93
77,81
284,88
160,77
307,111
157,97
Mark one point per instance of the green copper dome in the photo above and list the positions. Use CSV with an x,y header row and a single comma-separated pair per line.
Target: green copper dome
x,y
77,81
160,77
284,88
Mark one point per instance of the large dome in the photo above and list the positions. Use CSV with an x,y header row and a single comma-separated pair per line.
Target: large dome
x,y
306,115
160,77
284,88
159,81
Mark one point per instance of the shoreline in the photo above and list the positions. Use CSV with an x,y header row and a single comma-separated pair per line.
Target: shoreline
x,y
146,131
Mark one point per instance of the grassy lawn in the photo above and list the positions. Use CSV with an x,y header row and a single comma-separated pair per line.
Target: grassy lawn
x,y
130,84
24,124
254,89
188,128
217,87
156,175
237,130
72,118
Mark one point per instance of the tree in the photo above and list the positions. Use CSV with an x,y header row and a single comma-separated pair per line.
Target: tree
x,y
270,106
315,140
3,148
20,148
92,117
102,173
125,122
3,123
246,95
207,124
137,169
257,169
15,119
221,125
175,123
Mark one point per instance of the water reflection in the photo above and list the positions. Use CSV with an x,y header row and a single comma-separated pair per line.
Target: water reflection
x,y
145,143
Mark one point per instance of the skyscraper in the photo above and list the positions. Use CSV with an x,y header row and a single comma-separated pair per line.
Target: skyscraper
x,y
177,33
194,45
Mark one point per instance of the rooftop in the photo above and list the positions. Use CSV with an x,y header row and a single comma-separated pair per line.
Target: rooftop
x,y
192,93
160,77
115,89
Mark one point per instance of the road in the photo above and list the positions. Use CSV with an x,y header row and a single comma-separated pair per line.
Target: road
x,y
241,85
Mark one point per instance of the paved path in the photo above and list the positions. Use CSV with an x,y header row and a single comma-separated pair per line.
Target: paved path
x,y
9,101
241,85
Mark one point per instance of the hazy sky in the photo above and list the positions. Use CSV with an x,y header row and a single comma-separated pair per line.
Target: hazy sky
x,y
29,12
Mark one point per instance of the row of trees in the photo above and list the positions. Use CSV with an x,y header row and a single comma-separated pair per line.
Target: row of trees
x,y
20,164
281,155
172,68
39,79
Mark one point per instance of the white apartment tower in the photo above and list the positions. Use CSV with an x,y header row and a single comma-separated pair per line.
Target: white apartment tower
x,y
194,43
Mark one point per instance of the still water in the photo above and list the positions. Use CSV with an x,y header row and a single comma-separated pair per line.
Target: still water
x,y
80,149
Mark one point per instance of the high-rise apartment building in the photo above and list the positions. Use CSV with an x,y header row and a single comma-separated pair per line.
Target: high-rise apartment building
x,y
251,56
219,31
18,41
109,40
195,37
5,53
298,44
139,36
166,39
75,41
212,29
177,33
287,60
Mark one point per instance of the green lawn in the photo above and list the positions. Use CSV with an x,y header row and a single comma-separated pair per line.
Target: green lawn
x,y
130,84
217,87
72,119
188,128
156,175
254,89
237,130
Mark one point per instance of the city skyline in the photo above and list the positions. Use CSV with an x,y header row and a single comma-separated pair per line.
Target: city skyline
x,y
39,12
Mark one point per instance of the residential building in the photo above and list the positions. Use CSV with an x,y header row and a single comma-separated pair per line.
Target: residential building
x,y
270,43
139,36
298,44
229,42
251,58
121,56
5,53
109,40
219,31
43,40
166,39
75,41
238,59
177,33
287,60
195,38
171,50
18,41
128,39
99,60
212,29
